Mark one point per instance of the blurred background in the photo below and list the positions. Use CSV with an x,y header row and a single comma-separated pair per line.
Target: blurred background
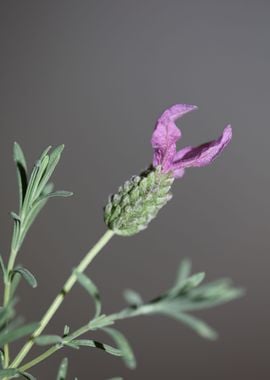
x,y
95,75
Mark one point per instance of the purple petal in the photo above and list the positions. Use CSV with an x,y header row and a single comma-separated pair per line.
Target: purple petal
x,y
203,154
166,134
178,173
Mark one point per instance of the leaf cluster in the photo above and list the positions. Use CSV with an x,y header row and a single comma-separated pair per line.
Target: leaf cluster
x,y
34,189
187,295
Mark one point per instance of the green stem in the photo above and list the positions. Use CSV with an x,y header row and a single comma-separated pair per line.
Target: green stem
x,y
53,349
60,297
7,292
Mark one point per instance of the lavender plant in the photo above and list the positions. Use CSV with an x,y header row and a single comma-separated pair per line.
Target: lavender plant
x,y
127,212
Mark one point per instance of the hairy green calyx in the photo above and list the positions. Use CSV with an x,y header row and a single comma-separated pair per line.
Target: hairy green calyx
x,y
138,201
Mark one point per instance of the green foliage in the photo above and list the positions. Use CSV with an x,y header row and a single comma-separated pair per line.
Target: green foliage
x,y
12,373
72,342
34,191
138,201
26,274
91,288
3,269
63,369
123,345
127,212
187,295
10,335
133,298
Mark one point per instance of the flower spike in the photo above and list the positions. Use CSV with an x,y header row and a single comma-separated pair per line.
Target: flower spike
x,y
136,203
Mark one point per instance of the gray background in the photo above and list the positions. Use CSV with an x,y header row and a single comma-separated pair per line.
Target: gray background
x,y
95,75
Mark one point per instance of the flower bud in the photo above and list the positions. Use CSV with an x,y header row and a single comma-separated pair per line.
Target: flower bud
x,y
138,201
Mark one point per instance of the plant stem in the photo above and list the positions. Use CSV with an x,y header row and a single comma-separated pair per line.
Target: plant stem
x,y
7,292
53,349
60,297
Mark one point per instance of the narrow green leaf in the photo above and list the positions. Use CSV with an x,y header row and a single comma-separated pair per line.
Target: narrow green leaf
x,y
18,155
8,372
2,358
30,218
29,191
123,346
195,324
59,193
6,313
15,283
91,288
53,161
21,171
27,275
48,188
27,375
63,369
3,268
16,233
66,330
93,343
71,345
42,165
15,217
45,340
18,333
101,321
183,271
188,284
45,152
133,298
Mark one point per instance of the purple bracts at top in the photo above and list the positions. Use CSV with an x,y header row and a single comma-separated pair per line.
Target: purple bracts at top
x,y
164,139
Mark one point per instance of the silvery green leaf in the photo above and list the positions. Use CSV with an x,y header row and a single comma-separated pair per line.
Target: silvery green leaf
x,y
3,268
53,161
18,333
16,234
48,188
21,171
15,217
227,296
63,369
45,340
10,372
123,346
45,152
133,298
16,278
71,344
2,358
66,330
30,217
183,271
27,375
188,284
101,321
6,313
42,166
93,343
28,195
27,275
91,288
195,324
59,193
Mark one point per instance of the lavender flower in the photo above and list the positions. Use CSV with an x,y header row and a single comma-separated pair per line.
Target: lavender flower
x,y
138,201
164,139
